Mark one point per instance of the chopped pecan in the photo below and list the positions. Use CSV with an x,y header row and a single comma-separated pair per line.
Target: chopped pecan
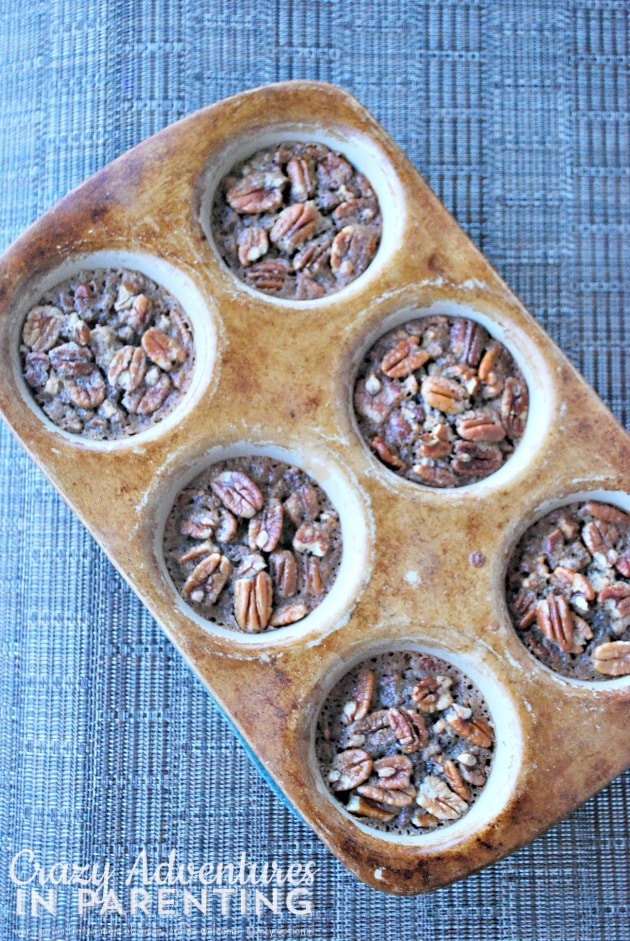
x,y
424,821
481,426
250,565
139,312
386,455
436,797
71,360
432,694
455,782
265,528
252,602
404,359
42,328
574,580
409,729
127,368
444,394
238,493
474,776
359,211
313,538
394,772
253,243
476,731
613,658
284,572
623,564
352,250
349,769
359,705
36,372
315,255
257,192
163,350
295,224
288,615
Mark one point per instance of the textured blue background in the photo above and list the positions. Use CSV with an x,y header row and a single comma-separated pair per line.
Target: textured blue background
x,y
517,115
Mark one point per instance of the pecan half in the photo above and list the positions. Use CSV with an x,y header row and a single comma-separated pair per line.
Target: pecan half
x,y
386,455
359,706
288,615
238,493
476,731
454,780
409,729
257,192
436,797
127,368
295,224
312,575
525,606
252,602
432,694
468,340
70,360
152,399
302,181
361,807
604,512
613,658
207,579
42,328
444,394
599,540
253,243
481,426
265,528
201,521
514,407
284,572
476,460
352,250
388,796
166,352
201,550
313,538
349,769
87,391
270,275
554,620
404,359
394,772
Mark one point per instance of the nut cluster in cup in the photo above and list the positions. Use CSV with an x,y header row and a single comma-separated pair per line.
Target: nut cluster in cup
x,y
296,221
107,353
253,544
568,590
405,742
440,401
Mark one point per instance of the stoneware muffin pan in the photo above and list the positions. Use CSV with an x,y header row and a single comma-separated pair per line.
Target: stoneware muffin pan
x,y
422,569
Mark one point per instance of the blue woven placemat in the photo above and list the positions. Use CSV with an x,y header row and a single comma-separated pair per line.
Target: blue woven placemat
x,y
517,115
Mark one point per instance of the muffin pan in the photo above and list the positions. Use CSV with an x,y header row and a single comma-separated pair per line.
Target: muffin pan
x,y
421,569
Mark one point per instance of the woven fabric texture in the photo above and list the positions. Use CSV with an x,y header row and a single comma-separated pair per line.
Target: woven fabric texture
x,y
516,113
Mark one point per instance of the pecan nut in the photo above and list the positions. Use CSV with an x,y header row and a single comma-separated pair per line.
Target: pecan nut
x,y
265,528
238,493
127,368
436,797
257,192
163,350
409,729
42,328
613,658
359,705
404,359
553,617
252,602
445,395
284,572
349,769
295,225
